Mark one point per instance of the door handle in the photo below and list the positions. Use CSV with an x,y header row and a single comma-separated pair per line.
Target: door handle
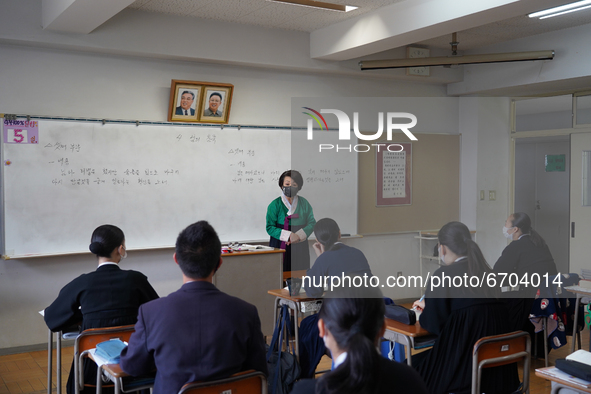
x,y
572,229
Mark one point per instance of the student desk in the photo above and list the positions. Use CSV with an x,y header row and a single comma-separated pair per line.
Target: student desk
x,y
580,292
563,381
247,275
294,303
405,334
116,375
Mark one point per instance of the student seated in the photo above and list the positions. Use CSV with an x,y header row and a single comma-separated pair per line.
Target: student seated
x,y
333,258
106,297
197,333
526,255
351,329
460,312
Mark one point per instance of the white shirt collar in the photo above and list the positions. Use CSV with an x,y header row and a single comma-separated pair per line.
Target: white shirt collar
x,y
522,235
107,263
340,359
290,207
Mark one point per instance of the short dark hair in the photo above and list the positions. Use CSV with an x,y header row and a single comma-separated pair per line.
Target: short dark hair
x,y
105,239
215,94
198,250
191,93
293,174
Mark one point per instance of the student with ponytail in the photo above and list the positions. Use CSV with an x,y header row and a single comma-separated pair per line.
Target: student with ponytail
x,y
351,329
527,254
106,297
460,312
334,258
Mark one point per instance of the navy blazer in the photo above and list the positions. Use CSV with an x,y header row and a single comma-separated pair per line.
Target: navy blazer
x,y
197,333
392,377
179,111
339,260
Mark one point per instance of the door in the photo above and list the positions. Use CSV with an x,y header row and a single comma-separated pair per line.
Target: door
x,y
542,191
580,202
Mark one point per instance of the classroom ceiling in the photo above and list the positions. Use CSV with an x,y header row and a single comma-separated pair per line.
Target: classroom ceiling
x,y
261,12
274,15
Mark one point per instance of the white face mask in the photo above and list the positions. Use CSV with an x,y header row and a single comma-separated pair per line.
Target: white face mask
x,y
441,256
125,255
506,233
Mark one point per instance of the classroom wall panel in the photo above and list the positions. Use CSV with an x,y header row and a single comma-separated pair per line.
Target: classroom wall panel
x,y
435,188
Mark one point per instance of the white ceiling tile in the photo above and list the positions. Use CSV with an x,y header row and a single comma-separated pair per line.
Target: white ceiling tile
x,y
273,15
222,10
138,4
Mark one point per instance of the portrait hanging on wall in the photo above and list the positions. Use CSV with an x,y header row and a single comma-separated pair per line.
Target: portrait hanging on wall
x,y
184,101
216,104
199,102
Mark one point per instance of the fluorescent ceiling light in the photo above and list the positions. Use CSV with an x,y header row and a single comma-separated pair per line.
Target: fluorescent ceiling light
x,y
451,60
561,10
318,4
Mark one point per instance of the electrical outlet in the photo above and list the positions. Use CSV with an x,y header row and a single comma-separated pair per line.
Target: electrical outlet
x,y
482,195
492,195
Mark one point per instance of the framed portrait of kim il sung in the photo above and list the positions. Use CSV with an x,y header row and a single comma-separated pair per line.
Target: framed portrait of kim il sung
x,y
394,174
185,101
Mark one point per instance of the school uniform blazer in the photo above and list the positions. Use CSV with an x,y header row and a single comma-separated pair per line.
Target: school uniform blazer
x,y
106,297
197,333
522,256
341,259
392,377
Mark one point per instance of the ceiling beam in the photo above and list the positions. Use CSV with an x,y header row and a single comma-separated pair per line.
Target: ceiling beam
x,y
412,21
79,16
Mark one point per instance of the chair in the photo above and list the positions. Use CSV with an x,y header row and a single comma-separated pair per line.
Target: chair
x,y
248,382
497,350
88,340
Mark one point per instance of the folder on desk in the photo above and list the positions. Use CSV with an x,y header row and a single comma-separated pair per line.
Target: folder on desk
x,y
110,350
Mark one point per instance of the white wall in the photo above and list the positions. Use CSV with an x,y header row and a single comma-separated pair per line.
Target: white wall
x,y
493,174
63,83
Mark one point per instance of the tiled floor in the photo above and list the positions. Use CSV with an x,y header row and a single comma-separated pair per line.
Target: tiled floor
x,y
27,372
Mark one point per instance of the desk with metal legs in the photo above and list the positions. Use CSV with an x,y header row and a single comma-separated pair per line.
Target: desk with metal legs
x,y
294,303
405,334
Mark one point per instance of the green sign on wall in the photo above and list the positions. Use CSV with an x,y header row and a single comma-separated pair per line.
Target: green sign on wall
x,y
555,163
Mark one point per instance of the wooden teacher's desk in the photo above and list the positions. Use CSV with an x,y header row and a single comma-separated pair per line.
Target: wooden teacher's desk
x,y
247,275
405,334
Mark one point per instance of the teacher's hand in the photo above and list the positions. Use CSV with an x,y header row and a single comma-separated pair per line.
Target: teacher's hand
x,y
318,248
293,239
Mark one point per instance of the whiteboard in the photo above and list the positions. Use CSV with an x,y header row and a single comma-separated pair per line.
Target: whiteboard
x,y
152,180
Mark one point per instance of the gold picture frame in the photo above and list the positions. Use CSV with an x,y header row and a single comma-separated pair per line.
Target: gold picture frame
x,y
211,102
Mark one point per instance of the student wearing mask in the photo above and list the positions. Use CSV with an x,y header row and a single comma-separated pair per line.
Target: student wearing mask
x,y
527,254
107,297
460,316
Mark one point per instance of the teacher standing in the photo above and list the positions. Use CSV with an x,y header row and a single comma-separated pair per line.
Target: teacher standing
x,y
290,221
